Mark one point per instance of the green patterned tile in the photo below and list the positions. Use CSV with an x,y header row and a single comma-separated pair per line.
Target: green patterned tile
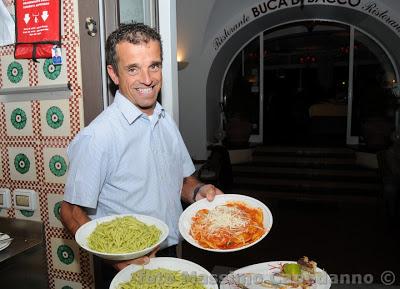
x,y
19,118
55,165
54,205
55,117
64,284
22,163
65,255
49,74
15,72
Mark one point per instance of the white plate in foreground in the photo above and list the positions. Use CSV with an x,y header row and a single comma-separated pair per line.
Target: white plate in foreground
x,y
81,236
250,277
185,220
4,244
175,264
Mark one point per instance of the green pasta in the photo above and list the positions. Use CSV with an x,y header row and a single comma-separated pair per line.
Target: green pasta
x,y
123,235
162,279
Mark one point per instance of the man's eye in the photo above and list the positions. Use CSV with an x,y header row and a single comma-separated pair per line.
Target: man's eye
x,y
155,67
132,70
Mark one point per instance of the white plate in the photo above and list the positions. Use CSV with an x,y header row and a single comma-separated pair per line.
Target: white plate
x,y
5,244
185,220
251,275
167,263
81,236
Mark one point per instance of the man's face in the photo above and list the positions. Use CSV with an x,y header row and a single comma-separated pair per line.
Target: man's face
x,y
139,74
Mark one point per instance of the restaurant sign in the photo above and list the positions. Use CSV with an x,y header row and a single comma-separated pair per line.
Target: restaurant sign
x,y
266,7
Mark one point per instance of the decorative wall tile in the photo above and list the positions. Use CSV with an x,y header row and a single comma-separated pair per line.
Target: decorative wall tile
x,y
49,74
78,71
81,116
33,72
29,215
55,165
15,72
55,117
39,146
54,205
1,168
64,284
22,163
65,255
19,118
76,18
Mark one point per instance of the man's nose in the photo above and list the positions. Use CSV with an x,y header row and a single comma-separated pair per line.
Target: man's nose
x,y
145,77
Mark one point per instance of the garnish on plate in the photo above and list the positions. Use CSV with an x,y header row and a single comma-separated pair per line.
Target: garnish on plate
x,y
302,274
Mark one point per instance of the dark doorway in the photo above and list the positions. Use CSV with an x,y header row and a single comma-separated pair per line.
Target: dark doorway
x,y
315,87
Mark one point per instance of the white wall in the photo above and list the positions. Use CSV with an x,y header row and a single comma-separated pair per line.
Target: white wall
x,y
192,19
198,22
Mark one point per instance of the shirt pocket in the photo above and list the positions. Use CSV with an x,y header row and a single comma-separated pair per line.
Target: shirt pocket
x,y
171,171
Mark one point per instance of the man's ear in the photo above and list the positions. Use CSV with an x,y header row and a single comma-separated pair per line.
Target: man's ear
x,y
113,74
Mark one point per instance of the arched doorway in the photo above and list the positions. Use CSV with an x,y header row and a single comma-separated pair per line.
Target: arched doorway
x,y
314,82
362,24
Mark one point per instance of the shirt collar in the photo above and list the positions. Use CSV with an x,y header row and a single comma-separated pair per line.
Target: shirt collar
x,y
159,111
131,112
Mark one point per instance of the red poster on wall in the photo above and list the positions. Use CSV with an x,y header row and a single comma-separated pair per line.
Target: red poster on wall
x,y
38,28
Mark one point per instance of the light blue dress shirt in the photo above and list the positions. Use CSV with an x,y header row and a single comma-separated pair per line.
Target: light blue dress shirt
x,y
125,162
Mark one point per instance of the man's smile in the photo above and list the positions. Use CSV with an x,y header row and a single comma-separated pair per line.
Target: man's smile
x,y
145,90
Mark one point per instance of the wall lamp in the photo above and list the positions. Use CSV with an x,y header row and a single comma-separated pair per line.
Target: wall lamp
x,y
182,64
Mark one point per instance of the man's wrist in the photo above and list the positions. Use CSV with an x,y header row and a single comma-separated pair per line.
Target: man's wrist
x,y
196,191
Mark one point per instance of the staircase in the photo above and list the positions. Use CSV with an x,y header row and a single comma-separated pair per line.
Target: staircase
x,y
306,173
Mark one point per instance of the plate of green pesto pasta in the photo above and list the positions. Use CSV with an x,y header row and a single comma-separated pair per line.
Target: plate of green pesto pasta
x,y
164,272
122,237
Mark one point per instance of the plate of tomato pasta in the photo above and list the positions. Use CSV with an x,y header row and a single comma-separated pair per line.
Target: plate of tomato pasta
x,y
231,222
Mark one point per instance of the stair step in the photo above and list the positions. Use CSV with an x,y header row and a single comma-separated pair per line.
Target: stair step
x,y
307,173
304,151
309,186
266,196
248,170
313,162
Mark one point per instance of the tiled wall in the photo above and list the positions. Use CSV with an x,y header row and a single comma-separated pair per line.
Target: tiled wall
x,y
34,136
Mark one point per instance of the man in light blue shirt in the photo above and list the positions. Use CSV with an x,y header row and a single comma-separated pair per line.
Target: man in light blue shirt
x,y
131,158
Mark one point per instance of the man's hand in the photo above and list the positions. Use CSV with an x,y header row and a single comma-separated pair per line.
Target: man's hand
x,y
193,190
208,191
139,261
73,216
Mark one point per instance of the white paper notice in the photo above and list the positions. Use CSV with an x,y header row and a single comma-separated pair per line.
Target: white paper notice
x,y
7,26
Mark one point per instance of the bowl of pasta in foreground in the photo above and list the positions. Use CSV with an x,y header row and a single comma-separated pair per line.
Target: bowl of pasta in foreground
x,y
231,222
122,237
165,271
